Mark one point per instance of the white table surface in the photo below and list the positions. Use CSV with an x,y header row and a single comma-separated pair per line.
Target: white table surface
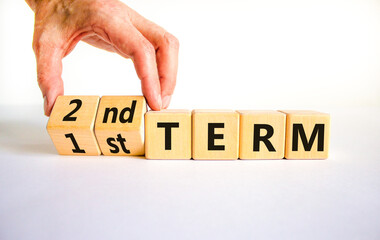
x,y
47,196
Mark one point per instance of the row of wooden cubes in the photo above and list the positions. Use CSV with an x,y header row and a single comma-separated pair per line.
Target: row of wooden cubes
x,y
114,125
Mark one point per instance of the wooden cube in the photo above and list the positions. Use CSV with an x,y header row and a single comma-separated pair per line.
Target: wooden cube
x,y
262,134
215,134
168,134
71,125
119,125
307,135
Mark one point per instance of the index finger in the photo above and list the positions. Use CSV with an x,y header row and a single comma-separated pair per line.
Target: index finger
x,y
167,65
128,41
167,47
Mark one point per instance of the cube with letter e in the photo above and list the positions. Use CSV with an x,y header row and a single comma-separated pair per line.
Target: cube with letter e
x,y
215,134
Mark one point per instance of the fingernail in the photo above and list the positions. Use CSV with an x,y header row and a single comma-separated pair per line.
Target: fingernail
x,y
45,105
166,101
159,101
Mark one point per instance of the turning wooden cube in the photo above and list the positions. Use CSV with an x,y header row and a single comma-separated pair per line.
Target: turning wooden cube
x,y
307,135
262,134
168,134
119,126
71,125
215,134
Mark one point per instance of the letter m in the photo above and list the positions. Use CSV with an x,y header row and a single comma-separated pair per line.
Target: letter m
x,y
319,129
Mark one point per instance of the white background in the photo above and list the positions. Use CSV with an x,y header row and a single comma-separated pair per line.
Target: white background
x,y
45,196
233,54
322,55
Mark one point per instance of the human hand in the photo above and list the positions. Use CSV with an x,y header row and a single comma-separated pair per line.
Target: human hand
x,y
106,24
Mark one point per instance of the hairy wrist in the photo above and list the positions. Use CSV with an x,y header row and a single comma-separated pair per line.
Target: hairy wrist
x,y
35,4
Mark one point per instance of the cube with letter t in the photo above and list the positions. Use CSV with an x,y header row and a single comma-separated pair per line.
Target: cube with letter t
x,y
119,126
215,134
71,125
168,134
307,135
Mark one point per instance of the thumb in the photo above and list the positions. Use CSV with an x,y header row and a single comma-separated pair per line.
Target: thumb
x,y
49,71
